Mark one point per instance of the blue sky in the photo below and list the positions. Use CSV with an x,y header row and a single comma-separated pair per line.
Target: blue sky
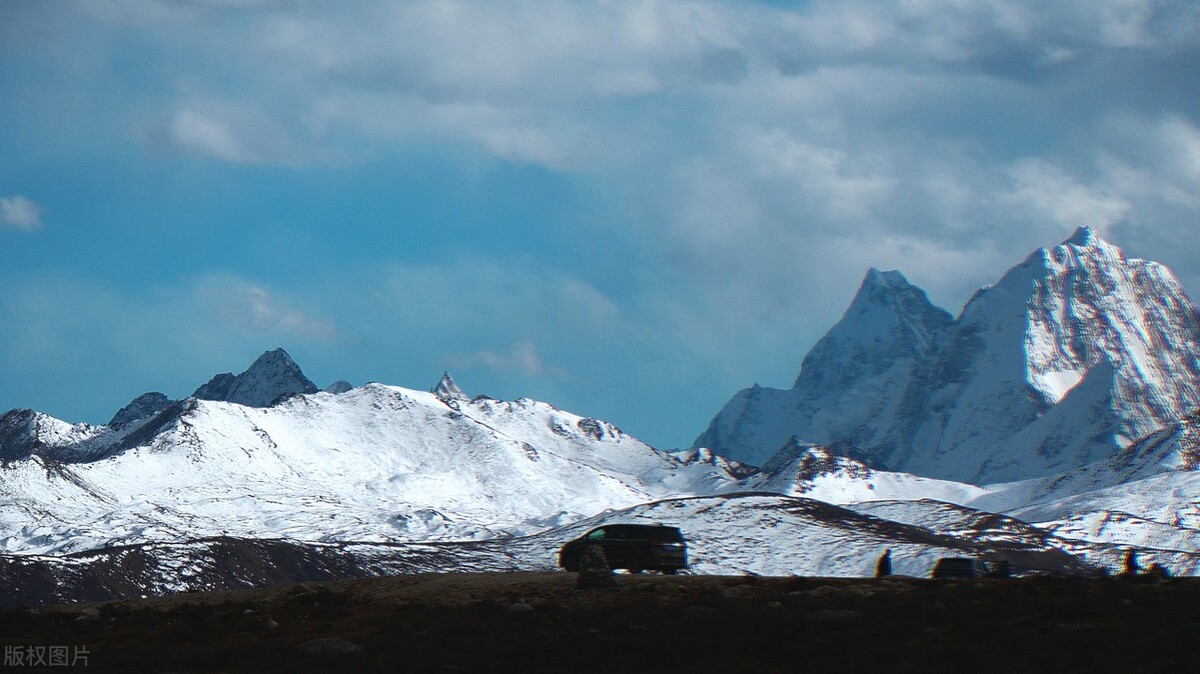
x,y
628,209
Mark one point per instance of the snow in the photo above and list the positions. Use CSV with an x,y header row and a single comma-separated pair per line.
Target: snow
x,y
1067,358
373,462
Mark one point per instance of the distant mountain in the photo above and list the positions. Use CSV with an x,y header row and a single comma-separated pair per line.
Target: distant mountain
x,y
371,463
382,479
272,377
1073,354
143,406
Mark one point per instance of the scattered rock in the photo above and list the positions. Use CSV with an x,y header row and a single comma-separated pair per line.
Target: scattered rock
x,y
824,591
774,604
520,607
88,614
330,645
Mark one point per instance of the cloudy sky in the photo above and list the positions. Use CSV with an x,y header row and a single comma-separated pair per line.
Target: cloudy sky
x,y
630,209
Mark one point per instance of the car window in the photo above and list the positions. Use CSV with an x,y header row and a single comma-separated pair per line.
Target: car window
x,y
621,533
597,535
670,534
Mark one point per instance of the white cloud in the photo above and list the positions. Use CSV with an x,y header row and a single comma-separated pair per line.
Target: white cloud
x,y
521,358
1049,194
747,162
255,309
20,213
194,131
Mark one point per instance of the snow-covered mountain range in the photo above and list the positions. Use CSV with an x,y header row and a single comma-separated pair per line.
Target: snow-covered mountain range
x,y
374,463
1072,382
1068,358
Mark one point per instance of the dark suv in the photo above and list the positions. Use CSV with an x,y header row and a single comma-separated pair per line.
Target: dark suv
x,y
636,547
961,567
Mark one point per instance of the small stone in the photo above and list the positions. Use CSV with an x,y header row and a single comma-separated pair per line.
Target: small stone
x,y
520,607
774,604
88,614
700,613
330,645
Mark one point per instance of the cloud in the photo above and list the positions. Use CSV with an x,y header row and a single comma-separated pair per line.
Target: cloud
x,y
742,162
20,214
194,131
522,358
253,308
1049,194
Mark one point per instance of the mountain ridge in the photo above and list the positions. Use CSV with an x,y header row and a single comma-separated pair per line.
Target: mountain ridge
x,y
980,399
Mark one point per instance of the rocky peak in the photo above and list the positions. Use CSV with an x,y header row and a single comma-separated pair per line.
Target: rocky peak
x,y
1083,236
141,407
889,319
447,389
272,377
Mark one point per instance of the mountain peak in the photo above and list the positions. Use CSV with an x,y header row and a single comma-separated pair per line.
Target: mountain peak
x,y
447,389
270,378
1083,236
140,408
886,279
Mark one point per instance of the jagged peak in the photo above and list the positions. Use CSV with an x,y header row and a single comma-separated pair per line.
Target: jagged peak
x,y
889,288
447,389
141,407
1083,236
888,279
275,358
272,377
338,387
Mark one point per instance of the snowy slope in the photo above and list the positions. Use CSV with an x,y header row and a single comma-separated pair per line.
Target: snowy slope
x,y
817,472
386,466
373,463
1071,355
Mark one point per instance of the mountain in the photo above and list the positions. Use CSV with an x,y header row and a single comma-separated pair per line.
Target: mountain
x,y
141,407
1068,358
374,463
382,479
274,375
854,374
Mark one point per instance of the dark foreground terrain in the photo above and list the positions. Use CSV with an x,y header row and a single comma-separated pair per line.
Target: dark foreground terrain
x,y
539,622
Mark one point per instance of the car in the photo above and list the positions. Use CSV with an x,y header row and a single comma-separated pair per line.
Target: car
x,y
634,547
960,567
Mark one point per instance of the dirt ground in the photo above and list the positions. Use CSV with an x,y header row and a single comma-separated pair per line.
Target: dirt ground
x,y
519,622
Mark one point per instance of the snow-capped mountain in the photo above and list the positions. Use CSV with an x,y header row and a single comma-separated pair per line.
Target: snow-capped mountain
x,y
374,479
372,463
817,472
1068,358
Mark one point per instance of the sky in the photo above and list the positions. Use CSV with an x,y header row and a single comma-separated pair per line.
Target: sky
x,y
629,209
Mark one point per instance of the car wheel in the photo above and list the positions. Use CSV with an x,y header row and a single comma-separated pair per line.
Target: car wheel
x,y
670,571
637,565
